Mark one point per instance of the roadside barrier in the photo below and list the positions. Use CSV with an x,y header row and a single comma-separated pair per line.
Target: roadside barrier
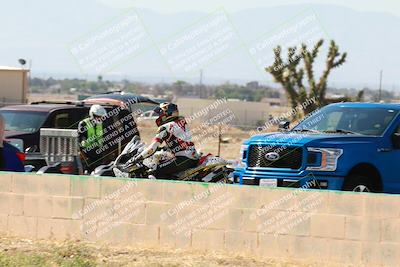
x,y
313,225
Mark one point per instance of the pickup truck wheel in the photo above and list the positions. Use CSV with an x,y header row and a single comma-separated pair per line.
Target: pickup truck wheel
x,y
359,183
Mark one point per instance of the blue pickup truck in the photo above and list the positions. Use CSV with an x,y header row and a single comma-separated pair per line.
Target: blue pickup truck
x,y
343,146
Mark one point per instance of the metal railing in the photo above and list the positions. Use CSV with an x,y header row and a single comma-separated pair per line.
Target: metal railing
x,y
59,145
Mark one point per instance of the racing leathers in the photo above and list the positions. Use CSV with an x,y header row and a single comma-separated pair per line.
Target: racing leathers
x,y
177,137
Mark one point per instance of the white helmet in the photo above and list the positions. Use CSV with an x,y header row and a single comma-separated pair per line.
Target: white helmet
x,y
97,110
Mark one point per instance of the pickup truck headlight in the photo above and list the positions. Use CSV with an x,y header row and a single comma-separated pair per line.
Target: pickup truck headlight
x,y
243,152
243,156
329,158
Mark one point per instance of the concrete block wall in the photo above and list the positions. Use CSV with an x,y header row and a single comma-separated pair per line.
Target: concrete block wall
x,y
359,229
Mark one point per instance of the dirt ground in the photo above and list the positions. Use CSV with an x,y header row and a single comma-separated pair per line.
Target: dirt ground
x,y
34,97
23,252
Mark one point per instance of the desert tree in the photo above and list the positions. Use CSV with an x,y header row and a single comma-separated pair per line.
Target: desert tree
x,y
291,74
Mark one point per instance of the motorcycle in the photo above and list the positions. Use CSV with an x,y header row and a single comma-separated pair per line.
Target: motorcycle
x,y
210,169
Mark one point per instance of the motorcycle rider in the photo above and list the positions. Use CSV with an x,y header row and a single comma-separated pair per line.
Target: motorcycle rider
x,y
173,130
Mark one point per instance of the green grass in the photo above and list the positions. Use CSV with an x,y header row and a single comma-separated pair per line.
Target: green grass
x,y
21,259
65,256
28,253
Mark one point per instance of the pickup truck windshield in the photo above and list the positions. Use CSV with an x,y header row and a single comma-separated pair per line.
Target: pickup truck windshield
x,y
348,120
23,121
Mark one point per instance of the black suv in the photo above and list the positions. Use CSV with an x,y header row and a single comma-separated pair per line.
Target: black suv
x,y
23,122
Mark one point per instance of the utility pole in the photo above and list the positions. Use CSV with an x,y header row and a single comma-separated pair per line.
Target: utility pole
x,y
201,77
219,139
380,85
24,90
201,84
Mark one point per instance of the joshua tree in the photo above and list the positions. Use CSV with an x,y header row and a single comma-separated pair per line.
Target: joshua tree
x,y
290,74
360,96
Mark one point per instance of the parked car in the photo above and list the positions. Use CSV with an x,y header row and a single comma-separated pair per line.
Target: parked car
x,y
148,115
137,104
344,146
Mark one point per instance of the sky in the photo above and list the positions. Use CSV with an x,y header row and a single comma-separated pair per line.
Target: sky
x,y
172,6
46,32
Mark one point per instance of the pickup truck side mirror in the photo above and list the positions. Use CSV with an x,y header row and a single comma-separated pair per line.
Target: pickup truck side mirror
x,y
396,140
284,126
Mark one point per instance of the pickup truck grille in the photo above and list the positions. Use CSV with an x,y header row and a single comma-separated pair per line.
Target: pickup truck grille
x,y
289,157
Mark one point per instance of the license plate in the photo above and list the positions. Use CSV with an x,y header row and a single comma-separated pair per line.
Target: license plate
x,y
269,182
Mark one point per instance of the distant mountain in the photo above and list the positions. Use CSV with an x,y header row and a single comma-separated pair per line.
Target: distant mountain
x,y
42,31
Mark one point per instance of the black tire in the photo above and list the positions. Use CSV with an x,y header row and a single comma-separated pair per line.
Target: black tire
x,y
361,183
